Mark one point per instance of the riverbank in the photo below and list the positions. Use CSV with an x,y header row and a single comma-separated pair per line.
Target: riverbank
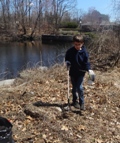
x,y
34,106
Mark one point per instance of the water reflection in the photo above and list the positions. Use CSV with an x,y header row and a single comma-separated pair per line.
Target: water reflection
x,y
15,57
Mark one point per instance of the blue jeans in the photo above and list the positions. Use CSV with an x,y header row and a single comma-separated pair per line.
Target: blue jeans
x,y
77,87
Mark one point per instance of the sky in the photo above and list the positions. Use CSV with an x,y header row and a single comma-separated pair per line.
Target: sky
x,y
103,6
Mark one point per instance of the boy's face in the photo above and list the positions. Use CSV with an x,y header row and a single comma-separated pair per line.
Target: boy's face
x,y
78,45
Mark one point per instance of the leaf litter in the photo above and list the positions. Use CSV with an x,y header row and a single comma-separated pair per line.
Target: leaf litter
x,y
34,105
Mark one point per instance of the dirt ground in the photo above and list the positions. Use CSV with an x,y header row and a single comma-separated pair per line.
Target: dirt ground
x,y
34,105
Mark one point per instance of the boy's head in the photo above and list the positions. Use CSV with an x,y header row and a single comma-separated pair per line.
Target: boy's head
x,y
78,41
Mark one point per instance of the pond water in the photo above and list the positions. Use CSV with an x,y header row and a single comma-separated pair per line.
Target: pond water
x,y
15,57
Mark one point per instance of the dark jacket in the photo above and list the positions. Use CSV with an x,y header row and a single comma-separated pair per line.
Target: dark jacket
x,y
79,61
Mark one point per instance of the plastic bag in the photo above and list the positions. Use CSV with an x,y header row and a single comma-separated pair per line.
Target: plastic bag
x,y
5,131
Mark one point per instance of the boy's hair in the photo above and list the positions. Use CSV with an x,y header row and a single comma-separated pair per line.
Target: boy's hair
x,y
78,38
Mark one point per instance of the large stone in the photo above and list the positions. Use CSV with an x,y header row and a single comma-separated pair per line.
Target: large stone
x,y
7,82
35,112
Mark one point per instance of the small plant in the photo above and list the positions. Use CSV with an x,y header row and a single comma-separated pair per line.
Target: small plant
x,y
69,25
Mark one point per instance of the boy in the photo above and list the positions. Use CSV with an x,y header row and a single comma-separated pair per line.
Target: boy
x,y
77,61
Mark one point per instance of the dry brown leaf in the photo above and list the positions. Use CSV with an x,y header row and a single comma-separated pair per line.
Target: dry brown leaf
x,y
65,128
24,129
29,117
81,127
99,141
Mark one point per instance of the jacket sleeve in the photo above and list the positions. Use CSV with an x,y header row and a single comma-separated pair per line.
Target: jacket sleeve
x,y
67,57
87,63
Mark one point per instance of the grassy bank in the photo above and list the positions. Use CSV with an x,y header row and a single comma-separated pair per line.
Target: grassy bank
x,y
34,106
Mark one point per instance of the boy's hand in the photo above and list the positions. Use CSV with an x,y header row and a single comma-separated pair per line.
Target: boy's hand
x,y
91,75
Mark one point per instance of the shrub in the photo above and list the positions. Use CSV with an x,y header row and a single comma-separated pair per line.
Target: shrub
x,y
69,25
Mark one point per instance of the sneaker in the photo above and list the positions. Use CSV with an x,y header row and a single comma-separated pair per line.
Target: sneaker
x,y
76,105
82,107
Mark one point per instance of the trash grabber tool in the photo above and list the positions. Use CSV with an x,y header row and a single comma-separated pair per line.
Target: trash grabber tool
x,y
68,107
68,65
68,95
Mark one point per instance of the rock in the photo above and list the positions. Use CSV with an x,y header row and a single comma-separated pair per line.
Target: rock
x,y
42,112
7,82
34,111
43,68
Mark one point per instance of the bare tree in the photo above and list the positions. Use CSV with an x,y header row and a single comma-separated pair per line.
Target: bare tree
x,y
78,15
4,13
116,9
22,15
58,9
39,13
